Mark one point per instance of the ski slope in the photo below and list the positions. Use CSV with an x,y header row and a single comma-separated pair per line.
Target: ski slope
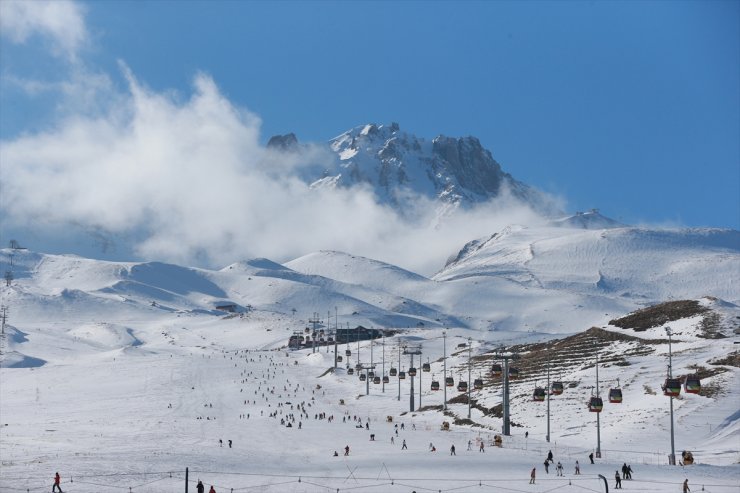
x,y
121,375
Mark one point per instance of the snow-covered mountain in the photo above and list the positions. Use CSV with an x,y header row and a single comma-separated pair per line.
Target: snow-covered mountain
x,y
128,361
456,172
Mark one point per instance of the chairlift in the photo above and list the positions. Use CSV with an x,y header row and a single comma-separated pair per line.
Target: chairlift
x,y
556,388
450,382
435,385
539,394
672,387
412,372
496,370
394,372
478,383
595,404
692,385
615,394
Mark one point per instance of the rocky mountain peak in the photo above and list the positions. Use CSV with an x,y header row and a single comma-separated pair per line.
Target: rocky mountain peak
x,y
287,142
455,171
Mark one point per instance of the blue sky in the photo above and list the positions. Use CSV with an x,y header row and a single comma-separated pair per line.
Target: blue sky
x,y
631,107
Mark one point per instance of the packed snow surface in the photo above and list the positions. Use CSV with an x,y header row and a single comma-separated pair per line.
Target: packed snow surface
x,y
122,375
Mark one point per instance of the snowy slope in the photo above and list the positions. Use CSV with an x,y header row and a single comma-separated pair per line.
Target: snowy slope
x,y
638,264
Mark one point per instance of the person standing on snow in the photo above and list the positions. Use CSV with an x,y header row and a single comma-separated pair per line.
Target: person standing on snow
x,y
57,483
211,490
686,488
531,475
200,488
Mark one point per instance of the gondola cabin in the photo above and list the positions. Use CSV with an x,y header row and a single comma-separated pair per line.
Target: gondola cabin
x,y
692,385
615,396
402,375
426,367
539,394
348,353
478,383
513,373
496,370
672,387
350,371
376,380
394,372
435,385
358,366
595,404
449,382
371,374
412,372
556,388
462,386
362,377
386,379
340,359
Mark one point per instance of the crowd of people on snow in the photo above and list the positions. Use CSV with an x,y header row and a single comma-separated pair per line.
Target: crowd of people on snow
x,y
292,414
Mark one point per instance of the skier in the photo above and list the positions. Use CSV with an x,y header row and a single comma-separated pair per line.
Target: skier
x,y
481,449
686,488
346,450
547,467
531,475
559,469
618,485
624,470
591,457
549,455
629,472
452,450
470,445
57,481
211,490
229,443
200,488
578,468
403,446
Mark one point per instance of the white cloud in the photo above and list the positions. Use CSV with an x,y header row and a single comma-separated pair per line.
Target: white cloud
x,y
187,181
59,21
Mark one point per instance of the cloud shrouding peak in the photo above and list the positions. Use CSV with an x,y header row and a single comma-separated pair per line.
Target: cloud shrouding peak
x,y
61,22
187,181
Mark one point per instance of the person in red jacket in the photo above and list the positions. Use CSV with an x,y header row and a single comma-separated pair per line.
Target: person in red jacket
x,y
57,481
211,490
